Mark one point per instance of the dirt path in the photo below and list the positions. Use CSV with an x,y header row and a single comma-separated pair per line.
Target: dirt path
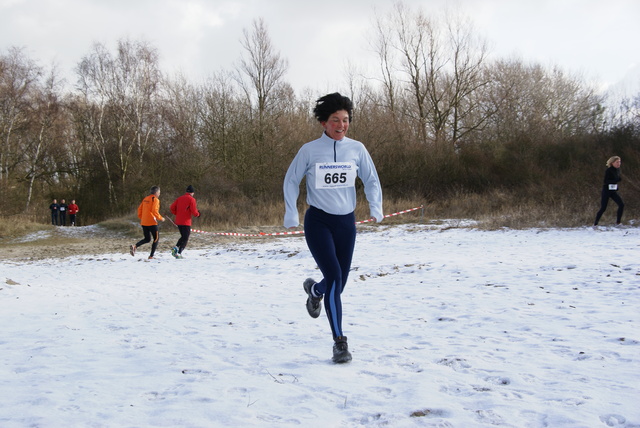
x,y
61,242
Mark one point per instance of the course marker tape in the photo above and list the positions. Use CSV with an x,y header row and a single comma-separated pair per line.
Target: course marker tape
x,y
296,232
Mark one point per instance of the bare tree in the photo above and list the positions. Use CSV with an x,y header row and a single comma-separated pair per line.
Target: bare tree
x,y
417,41
18,78
634,112
221,116
93,76
572,106
440,64
543,104
263,67
466,79
179,131
382,45
43,151
120,92
260,76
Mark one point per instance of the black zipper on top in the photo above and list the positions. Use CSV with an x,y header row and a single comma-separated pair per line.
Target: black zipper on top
x,y
335,156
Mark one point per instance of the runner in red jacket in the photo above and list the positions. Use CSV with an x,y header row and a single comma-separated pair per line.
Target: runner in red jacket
x,y
184,208
73,210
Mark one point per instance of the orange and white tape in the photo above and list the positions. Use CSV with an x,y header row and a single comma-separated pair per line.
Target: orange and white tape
x,y
392,215
296,232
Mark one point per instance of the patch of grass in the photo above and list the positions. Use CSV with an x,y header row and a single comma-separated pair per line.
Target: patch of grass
x,y
518,210
16,226
127,226
489,211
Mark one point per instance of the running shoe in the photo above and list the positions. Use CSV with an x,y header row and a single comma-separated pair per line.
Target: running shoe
x,y
341,352
313,303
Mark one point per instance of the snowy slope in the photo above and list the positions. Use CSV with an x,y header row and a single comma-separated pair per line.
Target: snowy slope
x,y
448,328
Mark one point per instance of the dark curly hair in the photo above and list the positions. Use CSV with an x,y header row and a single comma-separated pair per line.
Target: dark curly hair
x,y
331,103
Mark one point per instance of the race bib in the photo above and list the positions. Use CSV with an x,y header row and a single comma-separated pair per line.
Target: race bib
x,y
335,175
613,187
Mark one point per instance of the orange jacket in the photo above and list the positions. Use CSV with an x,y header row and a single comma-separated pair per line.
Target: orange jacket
x,y
148,211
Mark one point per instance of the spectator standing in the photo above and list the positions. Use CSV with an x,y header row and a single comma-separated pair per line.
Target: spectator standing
x,y
55,209
63,213
184,208
73,210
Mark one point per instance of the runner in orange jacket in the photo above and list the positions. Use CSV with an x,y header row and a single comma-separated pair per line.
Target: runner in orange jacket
x,y
148,213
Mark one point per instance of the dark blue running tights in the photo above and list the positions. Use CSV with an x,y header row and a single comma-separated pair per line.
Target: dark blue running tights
x,y
606,194
331,240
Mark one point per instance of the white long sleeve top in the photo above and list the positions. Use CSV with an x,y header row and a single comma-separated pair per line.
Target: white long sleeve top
x,y
330,167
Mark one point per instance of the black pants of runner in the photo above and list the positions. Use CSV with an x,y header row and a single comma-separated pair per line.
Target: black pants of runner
x,y
150,233
604,201
54,219
331,240
185,231
63,218
72,219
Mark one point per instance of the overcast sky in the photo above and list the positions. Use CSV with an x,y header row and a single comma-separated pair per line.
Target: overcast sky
x,y
599,39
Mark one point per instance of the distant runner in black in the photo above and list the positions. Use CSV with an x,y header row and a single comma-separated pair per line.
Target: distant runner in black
x,y
612,177
55,209
63,213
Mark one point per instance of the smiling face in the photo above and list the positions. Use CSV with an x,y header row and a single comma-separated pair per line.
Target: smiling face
x,y
337,125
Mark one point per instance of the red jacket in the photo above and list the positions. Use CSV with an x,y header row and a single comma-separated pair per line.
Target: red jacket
x,y
184,208
73,209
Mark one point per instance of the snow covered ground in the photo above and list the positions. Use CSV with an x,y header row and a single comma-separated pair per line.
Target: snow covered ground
x,y
447,327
